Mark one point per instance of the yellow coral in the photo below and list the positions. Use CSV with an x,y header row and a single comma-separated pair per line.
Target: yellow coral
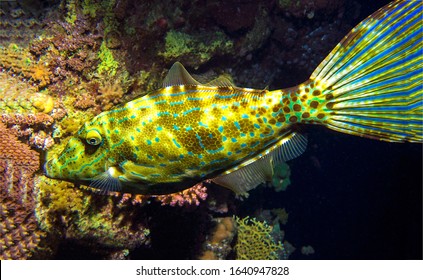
x,y
108,65
17,96
255,242
43,102
60,196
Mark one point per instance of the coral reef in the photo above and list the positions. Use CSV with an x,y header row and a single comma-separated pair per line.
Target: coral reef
x,y
280,178
27,112
63,63
109,95
254,240
70,51
19,232
69,213
189,197
193,50
17,96
18,60
218,243
20,22
108,65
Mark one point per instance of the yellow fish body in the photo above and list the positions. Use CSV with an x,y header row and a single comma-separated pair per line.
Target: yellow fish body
x,y
179,135
187,132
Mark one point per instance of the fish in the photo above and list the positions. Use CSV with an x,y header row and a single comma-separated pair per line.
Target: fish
x,y
185,133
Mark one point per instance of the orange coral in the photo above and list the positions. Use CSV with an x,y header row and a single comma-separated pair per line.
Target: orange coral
x,y
19,232
84,102
27,119
19,61
110,95
40,72
31,125
223,230
26,111
218,244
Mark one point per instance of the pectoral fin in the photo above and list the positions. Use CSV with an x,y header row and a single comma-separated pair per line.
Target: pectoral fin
x,y
107,181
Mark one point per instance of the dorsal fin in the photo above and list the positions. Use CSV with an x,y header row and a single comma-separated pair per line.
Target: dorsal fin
x,y
178,76
260,168
220,82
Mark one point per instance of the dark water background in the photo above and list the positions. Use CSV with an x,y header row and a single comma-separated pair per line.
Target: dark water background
x,y
354,198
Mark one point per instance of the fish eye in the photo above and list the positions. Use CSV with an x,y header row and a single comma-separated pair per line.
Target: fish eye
x,y
93,138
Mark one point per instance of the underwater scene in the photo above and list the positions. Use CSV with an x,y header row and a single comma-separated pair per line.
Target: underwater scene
x,y
206,129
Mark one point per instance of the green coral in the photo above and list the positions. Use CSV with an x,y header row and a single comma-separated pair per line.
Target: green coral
x,y
200,47
255,242
108,65
280,178
90,8
110,22
129,29
284,3
71,14
177,43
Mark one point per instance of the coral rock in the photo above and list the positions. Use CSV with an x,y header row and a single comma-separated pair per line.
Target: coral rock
x,y
188,197
191,196
18,231
218,243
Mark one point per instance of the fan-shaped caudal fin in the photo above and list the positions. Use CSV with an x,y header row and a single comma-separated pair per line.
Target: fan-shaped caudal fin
x,y
371,84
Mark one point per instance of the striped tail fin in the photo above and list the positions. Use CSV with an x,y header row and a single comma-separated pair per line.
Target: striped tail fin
x,y
372,82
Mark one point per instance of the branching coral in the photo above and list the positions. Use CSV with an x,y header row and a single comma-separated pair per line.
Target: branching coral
x,y
188,197
70,51
25,111
84,102
31,126
19,232
255,241
191,196
110,95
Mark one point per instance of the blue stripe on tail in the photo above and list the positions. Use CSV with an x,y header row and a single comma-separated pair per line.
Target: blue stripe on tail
x,y
372,82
